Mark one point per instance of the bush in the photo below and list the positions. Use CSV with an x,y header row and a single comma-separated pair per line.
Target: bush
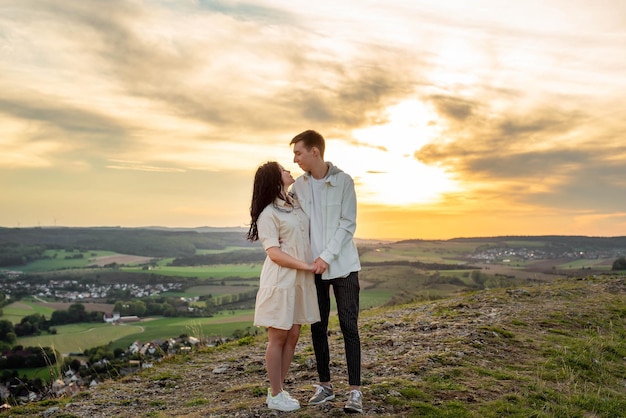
x,y
619,264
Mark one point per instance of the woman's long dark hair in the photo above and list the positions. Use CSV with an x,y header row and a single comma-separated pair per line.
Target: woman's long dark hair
x,y
268,185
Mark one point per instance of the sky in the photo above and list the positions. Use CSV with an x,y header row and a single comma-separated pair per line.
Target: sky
x,y
454,118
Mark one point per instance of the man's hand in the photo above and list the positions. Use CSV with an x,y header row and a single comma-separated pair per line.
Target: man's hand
x,y
319,266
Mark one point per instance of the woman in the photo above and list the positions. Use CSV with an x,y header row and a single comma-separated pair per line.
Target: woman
x,y
287,297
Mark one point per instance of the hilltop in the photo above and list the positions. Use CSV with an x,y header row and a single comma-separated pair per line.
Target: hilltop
x,y
547,349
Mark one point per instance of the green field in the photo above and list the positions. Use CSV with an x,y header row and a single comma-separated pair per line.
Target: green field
x,y
78,337
230,287
222,325
18,310
58,261
226,250
222,271
585,263
423,251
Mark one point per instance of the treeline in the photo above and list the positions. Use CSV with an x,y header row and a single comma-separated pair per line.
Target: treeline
x,y
28,357
19,254
29,242
572,243
175,306
418,264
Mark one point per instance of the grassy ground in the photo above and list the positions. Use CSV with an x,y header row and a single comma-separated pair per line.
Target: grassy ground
x,y
18,310
551,349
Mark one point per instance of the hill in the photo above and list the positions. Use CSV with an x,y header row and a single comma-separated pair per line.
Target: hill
x,y
553,349
149,242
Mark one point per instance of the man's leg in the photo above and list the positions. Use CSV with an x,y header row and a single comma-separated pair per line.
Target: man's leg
x,y
319,333
347,297
319,330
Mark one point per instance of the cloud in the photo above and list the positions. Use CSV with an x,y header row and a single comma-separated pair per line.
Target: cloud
x,y
544,157
453,107
520,104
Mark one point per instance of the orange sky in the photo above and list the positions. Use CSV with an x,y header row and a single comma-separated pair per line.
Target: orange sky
x,y
455,119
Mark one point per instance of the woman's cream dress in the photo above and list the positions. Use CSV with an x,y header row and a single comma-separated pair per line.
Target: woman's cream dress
x,y
286,296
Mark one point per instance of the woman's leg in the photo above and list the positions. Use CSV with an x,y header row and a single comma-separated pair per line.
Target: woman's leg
x,y
276,340
289,348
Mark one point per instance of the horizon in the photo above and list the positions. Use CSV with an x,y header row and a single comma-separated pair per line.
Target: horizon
x,y
356,237
454,119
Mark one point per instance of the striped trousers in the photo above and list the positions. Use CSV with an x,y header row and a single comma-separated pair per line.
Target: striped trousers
x,y
346,292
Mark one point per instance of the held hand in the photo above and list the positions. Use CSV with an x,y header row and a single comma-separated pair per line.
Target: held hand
x,y
319,266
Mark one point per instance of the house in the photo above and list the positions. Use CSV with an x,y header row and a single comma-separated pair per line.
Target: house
x,y
127,319
111,318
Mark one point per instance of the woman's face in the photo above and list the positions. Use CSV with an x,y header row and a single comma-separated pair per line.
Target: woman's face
x,y
286,176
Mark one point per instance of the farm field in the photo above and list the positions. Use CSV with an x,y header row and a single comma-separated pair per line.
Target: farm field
x,y
423,251
222,271
585,263
222,325
15,311
78,337
18,310
63,259
228,288
226,250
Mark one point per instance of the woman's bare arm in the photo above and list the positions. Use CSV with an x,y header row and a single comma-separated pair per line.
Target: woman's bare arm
x,y
283,259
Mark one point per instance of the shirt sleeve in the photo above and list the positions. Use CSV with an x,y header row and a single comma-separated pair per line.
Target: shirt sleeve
x,y
344,231
268,227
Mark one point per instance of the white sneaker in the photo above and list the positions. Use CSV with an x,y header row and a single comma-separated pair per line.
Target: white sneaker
x,y
282,402
269,395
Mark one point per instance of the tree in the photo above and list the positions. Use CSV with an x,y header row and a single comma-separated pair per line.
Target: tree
x,y
7,331
139,308
479,278
619,264
75,365
77,313
59,318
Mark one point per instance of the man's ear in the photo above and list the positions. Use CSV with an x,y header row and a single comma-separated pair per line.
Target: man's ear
x,y
315,151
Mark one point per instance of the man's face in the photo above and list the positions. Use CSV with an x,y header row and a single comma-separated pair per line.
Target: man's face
x,y
303,157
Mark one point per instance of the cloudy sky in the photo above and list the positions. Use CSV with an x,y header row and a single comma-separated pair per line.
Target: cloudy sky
x,y
455,118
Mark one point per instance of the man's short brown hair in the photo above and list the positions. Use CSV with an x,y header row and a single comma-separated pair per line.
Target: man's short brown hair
x,y
311,139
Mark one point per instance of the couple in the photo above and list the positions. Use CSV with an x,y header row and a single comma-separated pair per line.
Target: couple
x,y
308,237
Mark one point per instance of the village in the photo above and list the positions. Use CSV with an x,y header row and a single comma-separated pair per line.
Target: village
x,y
507,254
76,291
139,355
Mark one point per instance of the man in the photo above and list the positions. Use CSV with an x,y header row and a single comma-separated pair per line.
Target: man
x,y
327,195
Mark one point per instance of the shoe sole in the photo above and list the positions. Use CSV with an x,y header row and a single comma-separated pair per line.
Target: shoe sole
x,y
284,409
349,410
328,398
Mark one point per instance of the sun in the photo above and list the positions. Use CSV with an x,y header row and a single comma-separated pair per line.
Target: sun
x,y
382,161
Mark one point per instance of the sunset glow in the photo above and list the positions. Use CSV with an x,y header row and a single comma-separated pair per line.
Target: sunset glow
x,y
454,118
